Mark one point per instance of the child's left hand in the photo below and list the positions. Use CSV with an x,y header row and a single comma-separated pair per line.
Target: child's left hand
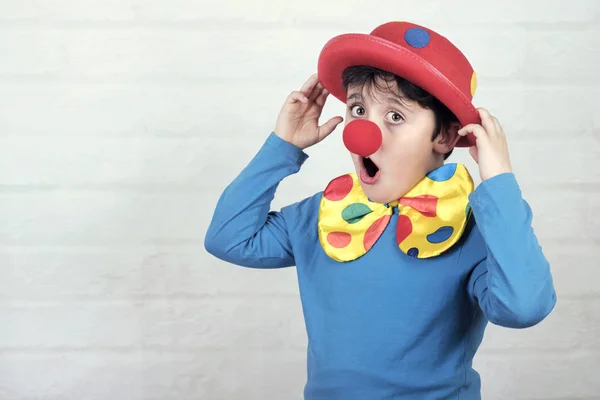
x,y
491,150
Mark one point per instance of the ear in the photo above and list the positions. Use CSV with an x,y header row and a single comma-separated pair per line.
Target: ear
x,y
447,139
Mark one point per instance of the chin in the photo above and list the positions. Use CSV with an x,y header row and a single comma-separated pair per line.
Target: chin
x,y
378,193
382,194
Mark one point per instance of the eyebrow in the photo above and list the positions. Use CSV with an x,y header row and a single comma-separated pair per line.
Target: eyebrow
x,y
357,96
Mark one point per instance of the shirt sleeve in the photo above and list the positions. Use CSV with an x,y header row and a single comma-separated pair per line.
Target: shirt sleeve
x,y
243,230
512,282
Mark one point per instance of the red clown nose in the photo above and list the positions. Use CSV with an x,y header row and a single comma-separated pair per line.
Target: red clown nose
x,y
362,137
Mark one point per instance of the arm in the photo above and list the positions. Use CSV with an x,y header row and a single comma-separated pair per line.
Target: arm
x,y
512,284
243,230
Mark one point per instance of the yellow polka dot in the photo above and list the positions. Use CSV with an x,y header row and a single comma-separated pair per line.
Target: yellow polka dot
x,y
473,83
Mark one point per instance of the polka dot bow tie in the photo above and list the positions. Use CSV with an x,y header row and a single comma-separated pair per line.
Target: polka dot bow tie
x,y
432,216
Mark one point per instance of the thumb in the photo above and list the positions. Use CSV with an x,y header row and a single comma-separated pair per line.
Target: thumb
x,y
474,151
324,130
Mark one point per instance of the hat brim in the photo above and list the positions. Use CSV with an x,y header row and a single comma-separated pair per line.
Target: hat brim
x,y
355,49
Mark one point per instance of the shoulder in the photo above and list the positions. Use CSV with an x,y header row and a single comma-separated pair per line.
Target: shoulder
x,y
302,212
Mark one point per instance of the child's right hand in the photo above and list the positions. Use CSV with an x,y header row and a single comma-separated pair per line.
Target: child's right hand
x,y
298,120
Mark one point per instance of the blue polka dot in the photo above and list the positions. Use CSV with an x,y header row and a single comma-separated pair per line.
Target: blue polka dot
x,y
440,235
442,173
417,37
414,252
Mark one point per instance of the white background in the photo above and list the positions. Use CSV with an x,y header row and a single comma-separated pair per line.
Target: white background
x,y
121,121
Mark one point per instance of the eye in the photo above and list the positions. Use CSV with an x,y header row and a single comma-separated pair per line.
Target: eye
x,y
357,111
395,117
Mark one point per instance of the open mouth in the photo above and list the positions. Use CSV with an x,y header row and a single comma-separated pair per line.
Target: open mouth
x,y
370,166
370,171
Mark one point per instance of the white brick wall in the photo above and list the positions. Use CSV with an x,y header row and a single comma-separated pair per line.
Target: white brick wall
x,y
122,120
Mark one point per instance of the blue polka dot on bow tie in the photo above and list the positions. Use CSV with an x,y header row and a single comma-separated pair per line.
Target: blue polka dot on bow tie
x,y
441,235
413,252
442,173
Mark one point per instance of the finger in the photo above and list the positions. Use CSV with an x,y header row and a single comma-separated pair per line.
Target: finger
x,y
324,130
295,97
309,85
475,129
322,98
487,122
499,128
316,92
474,151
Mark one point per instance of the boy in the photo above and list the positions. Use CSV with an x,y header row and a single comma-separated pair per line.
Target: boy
x,y
401,264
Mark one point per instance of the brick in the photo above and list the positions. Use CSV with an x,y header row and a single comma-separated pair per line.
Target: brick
x,y
55,324
596,129
224,323
461,12
546,162
538,112
580,316
148,375
132,274
139,11
28,52
167,324
231,373
84,218
181,163
60,10
563,56
353,11
134,55
205,110
552,224
549,376
574,268
476,42
72,375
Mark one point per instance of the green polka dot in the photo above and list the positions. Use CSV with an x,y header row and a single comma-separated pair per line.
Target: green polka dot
x,y
355,212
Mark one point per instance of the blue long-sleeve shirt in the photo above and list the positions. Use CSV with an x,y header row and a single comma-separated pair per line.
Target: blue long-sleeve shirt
x,y
389,326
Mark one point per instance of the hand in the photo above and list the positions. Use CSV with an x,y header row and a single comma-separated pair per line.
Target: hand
x,y
491,150
298,120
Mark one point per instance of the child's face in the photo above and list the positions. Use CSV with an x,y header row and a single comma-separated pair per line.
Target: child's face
x,y
407,152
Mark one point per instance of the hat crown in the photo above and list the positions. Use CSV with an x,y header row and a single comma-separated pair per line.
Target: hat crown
x,y
432,47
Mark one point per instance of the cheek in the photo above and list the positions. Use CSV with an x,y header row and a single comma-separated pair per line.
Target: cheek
x,y
407,156
355,161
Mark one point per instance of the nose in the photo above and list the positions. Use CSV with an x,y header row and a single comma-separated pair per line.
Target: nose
x,y
362,137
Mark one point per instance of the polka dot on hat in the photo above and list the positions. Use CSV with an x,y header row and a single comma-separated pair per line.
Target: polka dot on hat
x,y
473,83
417,37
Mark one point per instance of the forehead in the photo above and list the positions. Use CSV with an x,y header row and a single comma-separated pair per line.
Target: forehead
x,y
376,91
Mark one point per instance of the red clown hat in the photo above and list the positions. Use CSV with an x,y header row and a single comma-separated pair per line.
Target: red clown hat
x,y
412,52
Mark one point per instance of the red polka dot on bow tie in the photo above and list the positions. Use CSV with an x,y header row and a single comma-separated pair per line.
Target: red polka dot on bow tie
x,y
339,239
339,188
426,204
374,231
403,229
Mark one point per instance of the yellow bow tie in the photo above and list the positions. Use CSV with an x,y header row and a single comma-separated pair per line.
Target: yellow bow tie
x,y
432,216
